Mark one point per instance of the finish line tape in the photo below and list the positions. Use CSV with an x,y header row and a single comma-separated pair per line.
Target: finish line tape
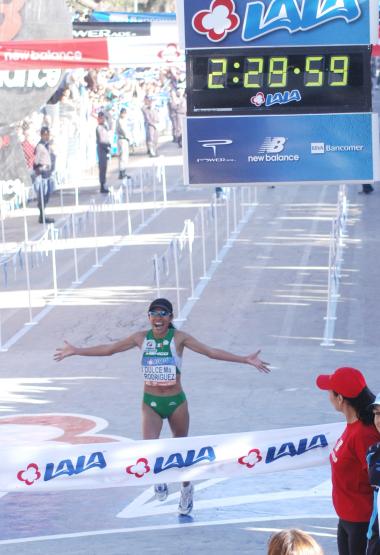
x,y
57,467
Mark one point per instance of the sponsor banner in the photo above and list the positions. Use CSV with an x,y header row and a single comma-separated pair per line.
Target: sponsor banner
x,y
327,148
131,16
41,467
94,30
228,23
146,54
76,53
142,32
53,54
25,20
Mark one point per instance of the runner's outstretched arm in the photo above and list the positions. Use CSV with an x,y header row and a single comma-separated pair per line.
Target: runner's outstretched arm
x,y
218,354
109,349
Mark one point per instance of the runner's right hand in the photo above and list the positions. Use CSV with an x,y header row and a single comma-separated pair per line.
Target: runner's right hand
x,y
66,351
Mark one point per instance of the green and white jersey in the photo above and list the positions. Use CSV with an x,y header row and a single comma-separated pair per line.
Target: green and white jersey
x,y
160,361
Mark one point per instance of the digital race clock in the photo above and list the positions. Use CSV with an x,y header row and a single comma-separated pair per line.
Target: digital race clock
x,y
254,81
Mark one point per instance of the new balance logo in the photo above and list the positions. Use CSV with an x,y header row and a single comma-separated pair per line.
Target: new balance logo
x,y
273,144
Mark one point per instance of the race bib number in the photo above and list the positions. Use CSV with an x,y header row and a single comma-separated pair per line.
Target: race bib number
x,y
159,371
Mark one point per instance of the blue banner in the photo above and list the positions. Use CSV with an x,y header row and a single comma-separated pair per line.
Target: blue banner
x,y
243,23
131,17
328,148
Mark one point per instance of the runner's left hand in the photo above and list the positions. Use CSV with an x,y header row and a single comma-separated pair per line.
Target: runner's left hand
x,y
255,361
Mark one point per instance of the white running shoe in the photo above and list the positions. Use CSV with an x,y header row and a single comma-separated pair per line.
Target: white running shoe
x,y
161,491
186,500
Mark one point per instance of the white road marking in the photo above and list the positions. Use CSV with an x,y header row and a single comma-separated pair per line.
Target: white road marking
x,y
139,508
185,524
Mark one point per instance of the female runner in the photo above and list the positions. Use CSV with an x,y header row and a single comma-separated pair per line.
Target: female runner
x,y
162,347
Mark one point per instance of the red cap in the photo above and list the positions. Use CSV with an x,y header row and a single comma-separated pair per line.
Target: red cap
x,y
349,382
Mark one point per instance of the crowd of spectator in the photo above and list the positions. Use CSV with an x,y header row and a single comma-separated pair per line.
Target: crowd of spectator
x,y
151,100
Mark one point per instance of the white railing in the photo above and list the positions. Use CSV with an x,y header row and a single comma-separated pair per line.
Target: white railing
x,y
337,237
191,257
36,271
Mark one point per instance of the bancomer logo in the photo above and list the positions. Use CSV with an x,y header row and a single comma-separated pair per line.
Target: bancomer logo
x,y
270,151
322,148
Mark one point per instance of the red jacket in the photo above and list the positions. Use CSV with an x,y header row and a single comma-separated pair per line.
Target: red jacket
x,y
352,493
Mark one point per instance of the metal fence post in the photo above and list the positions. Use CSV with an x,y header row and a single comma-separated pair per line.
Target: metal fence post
x,y
235,208
157,274
73,227
175,246
96,265
142,196
128,207
53,258
215,207
163,176
203,238
27,271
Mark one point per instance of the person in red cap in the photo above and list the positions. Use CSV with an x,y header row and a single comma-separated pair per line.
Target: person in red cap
x,y
162,348
351,490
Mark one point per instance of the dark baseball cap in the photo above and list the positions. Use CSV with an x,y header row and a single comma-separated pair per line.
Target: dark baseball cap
x,y
377,400
349,382
161,303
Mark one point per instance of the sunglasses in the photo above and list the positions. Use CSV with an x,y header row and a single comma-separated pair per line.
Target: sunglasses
x,y
161,313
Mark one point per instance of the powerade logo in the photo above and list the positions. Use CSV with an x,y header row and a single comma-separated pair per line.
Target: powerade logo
x,y
270,151
175,460
293,15
322,148
67,467
213,145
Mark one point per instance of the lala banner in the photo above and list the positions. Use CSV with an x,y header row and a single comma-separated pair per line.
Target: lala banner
x,y
55,467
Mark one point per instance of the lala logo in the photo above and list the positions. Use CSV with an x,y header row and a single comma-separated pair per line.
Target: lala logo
x,y
293,449
261,18
170,53
250,460
175,460
216,22
277,98
64,468
139,469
